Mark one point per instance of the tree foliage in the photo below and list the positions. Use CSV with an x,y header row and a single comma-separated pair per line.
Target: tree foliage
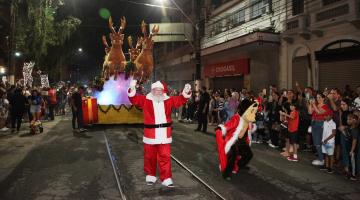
x,y
39,29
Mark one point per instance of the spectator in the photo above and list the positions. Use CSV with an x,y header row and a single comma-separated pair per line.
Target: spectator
x,y
52,101
328,142
4,112
232,105
292,138
203,110
35,102
274,119
344,146
357,99
77,112
17,107
318,110
348,93
213,109
334,103
351,135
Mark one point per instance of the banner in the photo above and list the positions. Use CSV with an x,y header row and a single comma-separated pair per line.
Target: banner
x,y
231,68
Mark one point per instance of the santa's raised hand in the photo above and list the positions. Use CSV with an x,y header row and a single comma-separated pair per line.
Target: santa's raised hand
x,y
132,88
187,91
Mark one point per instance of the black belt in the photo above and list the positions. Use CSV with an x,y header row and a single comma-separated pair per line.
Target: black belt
x,y
157,125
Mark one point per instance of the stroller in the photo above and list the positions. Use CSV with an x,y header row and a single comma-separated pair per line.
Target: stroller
x,y
36,127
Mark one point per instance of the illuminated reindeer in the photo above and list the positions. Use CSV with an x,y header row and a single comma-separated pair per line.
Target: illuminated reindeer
x,y
114,59
130,68
145,61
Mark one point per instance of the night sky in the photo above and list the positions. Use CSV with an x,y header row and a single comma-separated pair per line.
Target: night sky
x,y
93,26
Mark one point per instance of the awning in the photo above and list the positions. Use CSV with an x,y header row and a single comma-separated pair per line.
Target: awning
x,y
231,68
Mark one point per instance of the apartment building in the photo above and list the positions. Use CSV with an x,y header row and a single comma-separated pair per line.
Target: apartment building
x,y
241,45
321,44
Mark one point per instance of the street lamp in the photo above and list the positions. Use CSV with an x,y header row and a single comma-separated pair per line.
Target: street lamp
x,y
80,50
17,53
2,70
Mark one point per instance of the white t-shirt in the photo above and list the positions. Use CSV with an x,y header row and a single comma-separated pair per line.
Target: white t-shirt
x,y
357,102
329,126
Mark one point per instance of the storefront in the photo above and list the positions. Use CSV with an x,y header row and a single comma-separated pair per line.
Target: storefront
x,y
227,74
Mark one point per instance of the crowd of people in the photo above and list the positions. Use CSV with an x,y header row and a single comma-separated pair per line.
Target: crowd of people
x,y
33,105
323,122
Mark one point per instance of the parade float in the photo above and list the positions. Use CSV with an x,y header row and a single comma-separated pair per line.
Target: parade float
x,y
110,103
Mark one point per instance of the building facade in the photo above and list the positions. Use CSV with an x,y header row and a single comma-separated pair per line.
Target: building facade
x,y
254,43
321,44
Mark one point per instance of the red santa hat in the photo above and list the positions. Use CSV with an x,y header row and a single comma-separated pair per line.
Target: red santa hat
x,y
160,84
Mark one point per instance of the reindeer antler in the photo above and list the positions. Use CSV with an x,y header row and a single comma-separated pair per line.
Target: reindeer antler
x,y
130,42
111,25
155,30
143,28
104,41
122,24
138,43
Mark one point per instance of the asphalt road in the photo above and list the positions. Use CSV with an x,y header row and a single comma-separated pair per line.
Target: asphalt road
x,y
61,166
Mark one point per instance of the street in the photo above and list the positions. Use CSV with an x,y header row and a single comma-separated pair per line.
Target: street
x,y
58,165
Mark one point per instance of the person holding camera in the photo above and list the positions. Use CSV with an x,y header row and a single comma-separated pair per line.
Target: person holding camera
x,y
318,110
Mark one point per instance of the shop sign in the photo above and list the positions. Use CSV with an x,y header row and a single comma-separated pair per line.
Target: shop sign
x,y
235,67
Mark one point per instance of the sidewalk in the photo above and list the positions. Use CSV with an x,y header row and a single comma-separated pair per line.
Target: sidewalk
x,y
14,147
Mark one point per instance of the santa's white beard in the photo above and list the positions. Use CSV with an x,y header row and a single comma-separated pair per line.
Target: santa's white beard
x,y
158,98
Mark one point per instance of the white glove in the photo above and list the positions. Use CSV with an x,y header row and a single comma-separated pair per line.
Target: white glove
x,y
187,91
132,88
133,84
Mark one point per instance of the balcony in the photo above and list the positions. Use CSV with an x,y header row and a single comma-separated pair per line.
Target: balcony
x,y
297,25
341,12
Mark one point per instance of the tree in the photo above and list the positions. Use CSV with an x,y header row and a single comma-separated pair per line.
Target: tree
x,y
40,33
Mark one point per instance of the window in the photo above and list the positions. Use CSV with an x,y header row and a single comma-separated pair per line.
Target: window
x,y
328,2
217,27
297,7
237,18
258,8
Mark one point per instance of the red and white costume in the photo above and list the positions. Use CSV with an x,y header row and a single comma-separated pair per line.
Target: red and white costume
x,y
157,129
232,150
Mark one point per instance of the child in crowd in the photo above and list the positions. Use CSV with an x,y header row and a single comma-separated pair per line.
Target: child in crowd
x,y
292,140
328,142
353,137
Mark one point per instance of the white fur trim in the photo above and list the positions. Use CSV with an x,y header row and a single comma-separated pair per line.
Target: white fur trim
x,y
151,178
150,96
160,118
223,129
167,182
157,84
186,95
235,136
147,140
132,92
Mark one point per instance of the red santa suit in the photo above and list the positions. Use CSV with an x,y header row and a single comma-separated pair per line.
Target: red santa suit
x,y
233,152
157,129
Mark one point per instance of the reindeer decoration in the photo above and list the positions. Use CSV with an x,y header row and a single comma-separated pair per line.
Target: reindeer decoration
x,y
115,58
130,68
145,61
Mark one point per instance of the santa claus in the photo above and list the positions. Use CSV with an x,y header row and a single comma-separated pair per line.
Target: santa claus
x,y
232,139
157,106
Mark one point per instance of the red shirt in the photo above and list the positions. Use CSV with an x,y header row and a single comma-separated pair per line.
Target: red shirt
x,y
320,117
293,124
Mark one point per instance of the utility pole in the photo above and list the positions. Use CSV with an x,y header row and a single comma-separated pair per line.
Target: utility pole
x,y
197,39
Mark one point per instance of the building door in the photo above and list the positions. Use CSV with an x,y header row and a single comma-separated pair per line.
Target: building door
x,y
339,73
300,66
